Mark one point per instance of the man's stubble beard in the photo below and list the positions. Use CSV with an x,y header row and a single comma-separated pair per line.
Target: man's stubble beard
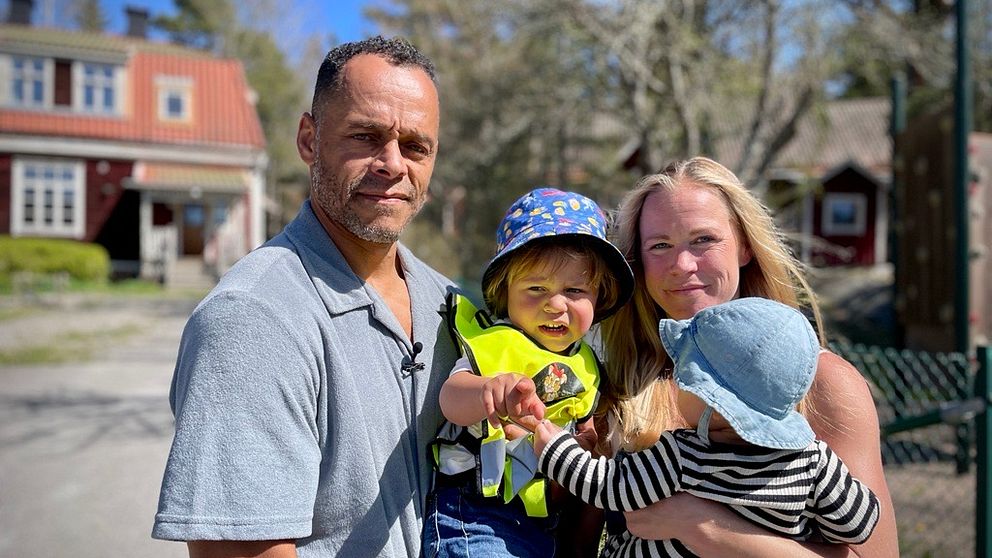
x,y
323,190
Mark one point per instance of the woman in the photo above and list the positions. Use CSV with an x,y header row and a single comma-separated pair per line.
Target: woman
x,y
695,237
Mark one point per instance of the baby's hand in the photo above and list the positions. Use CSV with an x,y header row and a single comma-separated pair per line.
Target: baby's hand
x,y
511,396
543,433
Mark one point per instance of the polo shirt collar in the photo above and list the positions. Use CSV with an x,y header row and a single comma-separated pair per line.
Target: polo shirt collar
x,y
337,285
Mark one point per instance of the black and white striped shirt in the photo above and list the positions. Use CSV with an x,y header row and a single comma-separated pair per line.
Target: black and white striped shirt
x,y
802,494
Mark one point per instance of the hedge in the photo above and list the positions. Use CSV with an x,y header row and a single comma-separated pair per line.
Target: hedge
x,y
81,260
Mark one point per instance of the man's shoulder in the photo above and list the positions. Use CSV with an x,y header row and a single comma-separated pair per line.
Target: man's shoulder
x,y
272,275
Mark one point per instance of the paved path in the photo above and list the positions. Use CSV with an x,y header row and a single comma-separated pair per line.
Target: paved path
x,y
83,444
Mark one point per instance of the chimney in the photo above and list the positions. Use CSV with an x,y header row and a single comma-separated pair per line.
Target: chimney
x,y
137,22
20,12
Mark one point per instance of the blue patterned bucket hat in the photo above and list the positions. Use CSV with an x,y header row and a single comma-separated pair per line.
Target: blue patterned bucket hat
x,y
751,360
548,212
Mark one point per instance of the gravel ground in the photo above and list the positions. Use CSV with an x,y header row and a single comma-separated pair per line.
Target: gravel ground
x,y
83,442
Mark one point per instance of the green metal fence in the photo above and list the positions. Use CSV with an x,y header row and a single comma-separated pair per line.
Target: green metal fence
x,y
934,445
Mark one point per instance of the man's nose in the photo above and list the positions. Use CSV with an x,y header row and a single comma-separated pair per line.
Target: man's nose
x,y
389,161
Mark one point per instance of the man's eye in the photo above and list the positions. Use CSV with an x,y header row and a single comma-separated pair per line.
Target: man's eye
x,y
418,149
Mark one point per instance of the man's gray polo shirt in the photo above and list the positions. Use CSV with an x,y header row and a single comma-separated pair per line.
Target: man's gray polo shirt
x,y
296,416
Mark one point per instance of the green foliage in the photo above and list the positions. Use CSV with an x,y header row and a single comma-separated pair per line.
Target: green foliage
x,y
89,16
199,23
80,260
235,31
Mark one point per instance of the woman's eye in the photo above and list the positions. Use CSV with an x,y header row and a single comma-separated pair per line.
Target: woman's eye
x,y
704,239
659,246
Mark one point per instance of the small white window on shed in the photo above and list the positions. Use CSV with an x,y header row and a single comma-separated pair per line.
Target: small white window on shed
x,y
844,214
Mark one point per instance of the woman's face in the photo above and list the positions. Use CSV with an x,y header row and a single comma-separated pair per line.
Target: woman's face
x,y
690,249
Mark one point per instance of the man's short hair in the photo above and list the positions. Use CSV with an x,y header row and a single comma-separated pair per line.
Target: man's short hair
x,y
397,51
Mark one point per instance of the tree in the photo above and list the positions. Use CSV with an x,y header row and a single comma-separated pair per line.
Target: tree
x,y
504,130
89,16
201,24
887,37
216,25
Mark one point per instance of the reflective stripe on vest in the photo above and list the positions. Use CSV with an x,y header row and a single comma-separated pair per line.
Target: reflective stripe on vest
x,y
568,385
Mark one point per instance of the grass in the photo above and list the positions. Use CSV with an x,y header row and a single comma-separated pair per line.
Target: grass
x,y
44,284
69,346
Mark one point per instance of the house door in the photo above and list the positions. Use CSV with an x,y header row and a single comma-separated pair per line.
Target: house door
x,y
193,219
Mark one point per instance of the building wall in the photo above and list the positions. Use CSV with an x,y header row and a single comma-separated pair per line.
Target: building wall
x,y
861,246
980,193
926,259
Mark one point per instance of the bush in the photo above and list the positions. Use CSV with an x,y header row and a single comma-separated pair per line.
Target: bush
x,y
81,260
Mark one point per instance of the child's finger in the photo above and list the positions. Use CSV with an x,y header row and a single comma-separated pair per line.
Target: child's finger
x,y
489,407
527,421
536,407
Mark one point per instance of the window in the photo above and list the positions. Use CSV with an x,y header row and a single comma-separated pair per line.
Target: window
x,y
47,198
97,88
175,95
844,214
28,82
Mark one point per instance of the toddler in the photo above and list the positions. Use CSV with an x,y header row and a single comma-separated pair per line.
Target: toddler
x,y
554,275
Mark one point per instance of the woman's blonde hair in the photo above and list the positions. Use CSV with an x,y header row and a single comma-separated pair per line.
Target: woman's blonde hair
x,y
639,402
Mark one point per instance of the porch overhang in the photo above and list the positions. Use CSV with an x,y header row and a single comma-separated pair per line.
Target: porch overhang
x,y
170,182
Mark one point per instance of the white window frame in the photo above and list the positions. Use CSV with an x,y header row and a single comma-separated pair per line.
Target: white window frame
x,y
46,75
858,227
99,82
166,87
57,186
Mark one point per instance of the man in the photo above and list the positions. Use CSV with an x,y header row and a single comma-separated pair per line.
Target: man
x,y
306,385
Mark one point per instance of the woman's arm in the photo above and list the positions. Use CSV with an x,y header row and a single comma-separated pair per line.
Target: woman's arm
x,y
845,418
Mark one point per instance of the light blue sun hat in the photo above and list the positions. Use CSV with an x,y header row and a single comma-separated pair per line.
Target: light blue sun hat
x,y
546,212
751,360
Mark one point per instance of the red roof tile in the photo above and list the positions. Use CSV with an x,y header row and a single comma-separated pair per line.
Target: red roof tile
x,y
222,112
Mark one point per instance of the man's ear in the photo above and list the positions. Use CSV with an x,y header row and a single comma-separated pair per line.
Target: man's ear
x,y
306,138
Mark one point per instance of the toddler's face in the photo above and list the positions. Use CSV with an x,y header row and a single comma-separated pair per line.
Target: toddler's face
x,y
554,307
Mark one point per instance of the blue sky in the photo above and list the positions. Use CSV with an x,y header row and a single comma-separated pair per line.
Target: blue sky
x,y
342,18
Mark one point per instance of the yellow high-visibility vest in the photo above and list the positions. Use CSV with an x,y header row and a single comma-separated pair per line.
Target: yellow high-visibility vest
x,y
568,385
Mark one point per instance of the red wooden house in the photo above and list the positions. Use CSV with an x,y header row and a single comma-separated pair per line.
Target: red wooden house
x,y
152,150
830,183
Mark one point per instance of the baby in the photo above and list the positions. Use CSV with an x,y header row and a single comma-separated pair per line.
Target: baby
x,y
741,368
